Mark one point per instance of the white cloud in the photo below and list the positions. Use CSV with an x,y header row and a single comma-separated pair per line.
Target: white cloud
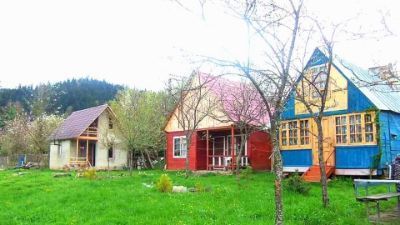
x,y
139,43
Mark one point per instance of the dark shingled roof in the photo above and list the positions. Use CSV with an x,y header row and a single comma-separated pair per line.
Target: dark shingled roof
x,y
77,123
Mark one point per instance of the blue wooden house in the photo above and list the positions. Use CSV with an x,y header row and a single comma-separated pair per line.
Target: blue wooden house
x,y
361,123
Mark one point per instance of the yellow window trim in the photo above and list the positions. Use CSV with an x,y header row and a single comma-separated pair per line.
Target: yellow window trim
x,y
298,145
332,118
363,142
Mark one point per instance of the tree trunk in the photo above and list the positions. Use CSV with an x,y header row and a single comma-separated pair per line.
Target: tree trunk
x,y
242,145
324,181
131,164
108,165
40,160
148,159
187,169
278,170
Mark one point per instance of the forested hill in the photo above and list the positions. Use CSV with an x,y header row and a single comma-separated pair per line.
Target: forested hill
x,y
61,97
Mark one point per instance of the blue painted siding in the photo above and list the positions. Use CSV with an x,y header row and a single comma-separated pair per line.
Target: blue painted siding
x,y
289,109
357,101
389,127
317,58
298,157
355,157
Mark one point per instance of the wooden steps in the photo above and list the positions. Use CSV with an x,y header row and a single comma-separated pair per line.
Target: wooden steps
x,y
79,164
313,173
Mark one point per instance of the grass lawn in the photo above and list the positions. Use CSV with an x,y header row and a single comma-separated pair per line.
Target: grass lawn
x,y
38,198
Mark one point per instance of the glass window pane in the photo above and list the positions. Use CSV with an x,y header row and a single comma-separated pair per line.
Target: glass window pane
x,y
177,147
358,118
367,118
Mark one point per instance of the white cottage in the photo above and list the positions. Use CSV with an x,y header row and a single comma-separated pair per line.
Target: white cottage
x,y
79,141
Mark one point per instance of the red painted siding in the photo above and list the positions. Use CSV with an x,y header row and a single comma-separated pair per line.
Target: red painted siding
x,y
179,163
201,154
260,149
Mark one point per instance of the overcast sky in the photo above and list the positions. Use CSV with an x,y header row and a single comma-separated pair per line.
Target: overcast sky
x,y
140,43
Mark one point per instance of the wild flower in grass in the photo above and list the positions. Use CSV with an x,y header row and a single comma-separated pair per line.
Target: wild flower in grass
x,y
90,174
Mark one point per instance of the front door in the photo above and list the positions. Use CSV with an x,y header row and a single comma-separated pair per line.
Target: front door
x,y
327,143
92,153
218,150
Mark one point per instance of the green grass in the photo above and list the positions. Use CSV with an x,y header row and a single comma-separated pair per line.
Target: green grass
x,y
38,198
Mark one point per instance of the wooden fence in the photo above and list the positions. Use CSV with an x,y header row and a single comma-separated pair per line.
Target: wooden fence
x,y
41,160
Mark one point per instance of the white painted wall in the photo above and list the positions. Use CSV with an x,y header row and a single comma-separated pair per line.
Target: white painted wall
x,y
59,154
120,156
60,158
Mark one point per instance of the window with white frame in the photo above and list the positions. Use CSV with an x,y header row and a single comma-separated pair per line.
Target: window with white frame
x,y
319,81
180,147
304,132
293,135
284,130
369,128
355,128
341,129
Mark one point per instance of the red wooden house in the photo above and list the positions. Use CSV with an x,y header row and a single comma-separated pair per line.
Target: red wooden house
x,y
212,146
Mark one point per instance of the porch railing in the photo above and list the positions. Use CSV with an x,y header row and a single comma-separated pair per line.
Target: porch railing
x,y
77,159
224,162
329,156
80,162
90,132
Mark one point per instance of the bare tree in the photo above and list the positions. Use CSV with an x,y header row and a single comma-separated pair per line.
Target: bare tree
x,y
384,79
282,30
276,26
194,104
39,131
313,91
108,140
14,138
242,106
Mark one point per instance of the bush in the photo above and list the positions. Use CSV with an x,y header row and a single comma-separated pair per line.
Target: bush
x,y
208,174
199,187
90,174
164,183
246,172
295,183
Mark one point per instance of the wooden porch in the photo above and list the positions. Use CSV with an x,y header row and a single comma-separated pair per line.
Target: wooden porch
x,y
84,152
222,150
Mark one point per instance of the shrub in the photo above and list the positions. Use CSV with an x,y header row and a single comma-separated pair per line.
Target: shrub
x,y
208,174
246,172
295,183
90,174
199,187
164,183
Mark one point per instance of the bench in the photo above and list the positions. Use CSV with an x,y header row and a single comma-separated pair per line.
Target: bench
x,y
376,198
